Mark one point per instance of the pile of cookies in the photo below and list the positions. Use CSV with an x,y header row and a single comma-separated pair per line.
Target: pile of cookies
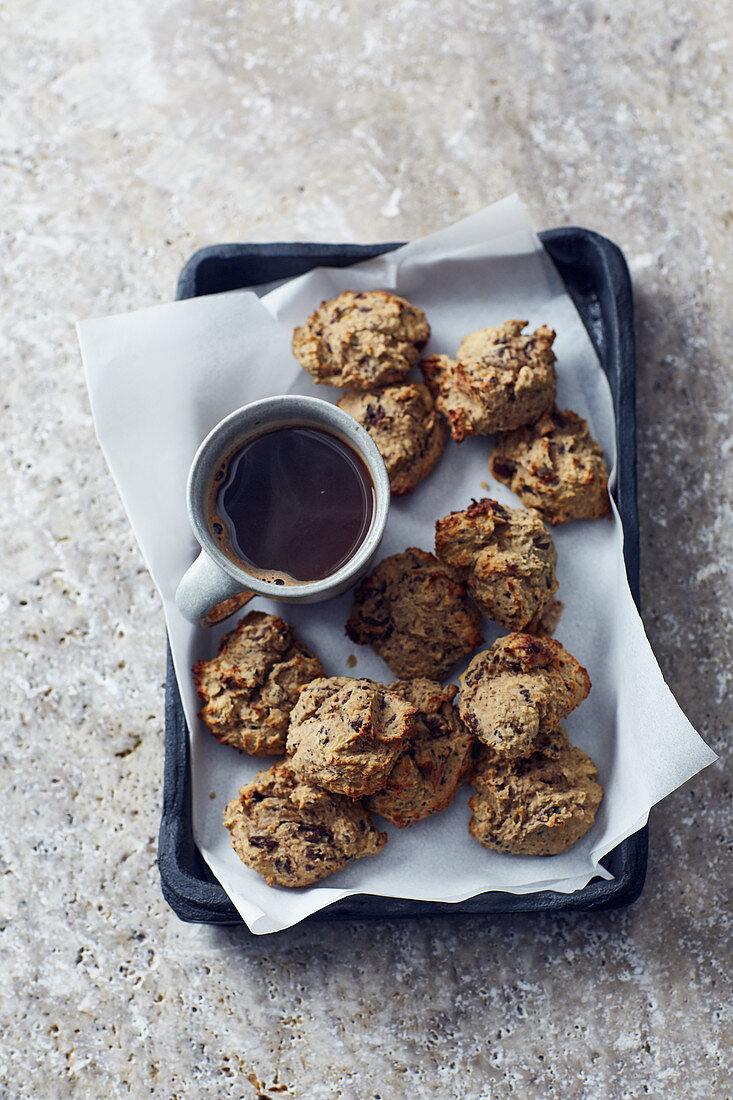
x,y
354,747
502,381
536,794
367,344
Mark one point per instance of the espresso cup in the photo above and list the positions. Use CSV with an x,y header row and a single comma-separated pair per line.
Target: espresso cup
x,y
221,576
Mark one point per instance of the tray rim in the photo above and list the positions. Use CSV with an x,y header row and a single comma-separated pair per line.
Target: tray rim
x,y
203,899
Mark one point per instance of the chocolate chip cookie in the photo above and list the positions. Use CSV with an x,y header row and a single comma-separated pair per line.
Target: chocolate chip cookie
x,y
361,340
554,466
406,428
434,762
500,379
294,834
517,688
416,614
346,734
539,805
507,558
251,687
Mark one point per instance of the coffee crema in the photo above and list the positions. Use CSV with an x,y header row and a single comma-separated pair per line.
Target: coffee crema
x,y
292,505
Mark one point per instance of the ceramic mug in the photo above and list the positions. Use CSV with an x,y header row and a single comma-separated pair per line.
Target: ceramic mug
x,y
217,578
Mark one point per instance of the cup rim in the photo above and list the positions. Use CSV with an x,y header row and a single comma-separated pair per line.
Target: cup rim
x,y
293,409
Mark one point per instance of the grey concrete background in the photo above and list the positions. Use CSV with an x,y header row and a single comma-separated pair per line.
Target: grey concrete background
x,y
132,134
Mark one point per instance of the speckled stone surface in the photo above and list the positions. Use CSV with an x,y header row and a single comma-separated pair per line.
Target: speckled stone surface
x,y
132,134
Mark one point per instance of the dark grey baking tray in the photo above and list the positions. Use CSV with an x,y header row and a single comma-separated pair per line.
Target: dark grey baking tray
x,y
597,278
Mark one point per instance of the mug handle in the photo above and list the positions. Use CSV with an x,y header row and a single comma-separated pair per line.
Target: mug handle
x,y
203,587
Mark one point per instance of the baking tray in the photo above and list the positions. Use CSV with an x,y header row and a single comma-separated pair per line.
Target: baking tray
x,y
596,276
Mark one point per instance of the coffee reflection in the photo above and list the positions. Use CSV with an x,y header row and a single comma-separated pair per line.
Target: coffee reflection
x,y
291,505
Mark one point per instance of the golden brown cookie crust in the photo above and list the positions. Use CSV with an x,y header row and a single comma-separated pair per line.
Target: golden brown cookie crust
x,y
294,834
416,614
345,734
361,339
250,688
406,428
429,770
518,687
507,558
500,379
539,805
555,466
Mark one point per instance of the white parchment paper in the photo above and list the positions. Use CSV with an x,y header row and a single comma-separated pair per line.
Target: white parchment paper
x,y
159,379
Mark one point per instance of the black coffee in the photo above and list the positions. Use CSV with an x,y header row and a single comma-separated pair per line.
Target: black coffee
x,y
292,505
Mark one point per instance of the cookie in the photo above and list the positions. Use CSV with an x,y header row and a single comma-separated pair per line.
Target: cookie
x,y
544,623
346,734
499,380
406,428
416,615
518,687
434,762
226,608
361,340
554,466
539,805
251,687
507,558
294,834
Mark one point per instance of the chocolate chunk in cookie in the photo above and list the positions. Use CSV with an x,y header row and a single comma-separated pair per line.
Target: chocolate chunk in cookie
x,y
345,734
536,806
361,340
434,762
251,687
507,558
517,688
406,428
294,834
554,466
416,614
500,379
